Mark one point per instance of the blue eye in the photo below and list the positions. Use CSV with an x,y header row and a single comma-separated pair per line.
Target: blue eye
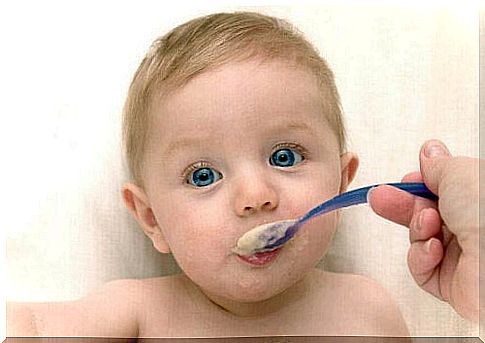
x,y
285,158
203,177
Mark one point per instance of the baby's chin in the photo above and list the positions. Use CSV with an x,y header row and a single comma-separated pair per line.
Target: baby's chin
x,y
251,287
236,280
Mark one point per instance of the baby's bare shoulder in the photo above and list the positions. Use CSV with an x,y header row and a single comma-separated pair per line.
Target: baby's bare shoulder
x,y
352,284
160,298
110,310
153,293
354,287
163,286
365,304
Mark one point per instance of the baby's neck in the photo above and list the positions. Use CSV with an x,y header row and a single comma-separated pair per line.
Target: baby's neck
x,y
276,304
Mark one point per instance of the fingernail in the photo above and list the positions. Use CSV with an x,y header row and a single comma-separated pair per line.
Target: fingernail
x,y
435,150
419,222
427,246
368,194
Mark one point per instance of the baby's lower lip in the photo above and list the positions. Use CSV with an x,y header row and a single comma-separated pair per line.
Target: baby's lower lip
x,y
261,258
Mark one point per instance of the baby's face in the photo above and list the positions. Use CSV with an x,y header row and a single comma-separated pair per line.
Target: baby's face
x,y
237,147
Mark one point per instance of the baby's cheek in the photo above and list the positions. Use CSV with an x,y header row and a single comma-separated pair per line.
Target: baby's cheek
x,y
315,237
199,249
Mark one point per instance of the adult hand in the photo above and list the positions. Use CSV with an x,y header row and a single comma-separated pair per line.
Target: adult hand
x,y
444,250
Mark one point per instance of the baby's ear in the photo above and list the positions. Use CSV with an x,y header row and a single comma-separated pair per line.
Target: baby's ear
x,y
349,163
137,203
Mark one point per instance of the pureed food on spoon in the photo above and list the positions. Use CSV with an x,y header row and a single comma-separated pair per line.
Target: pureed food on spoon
x,y
258,238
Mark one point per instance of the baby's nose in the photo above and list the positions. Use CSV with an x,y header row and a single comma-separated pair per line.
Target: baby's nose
x,y
254,195
266,206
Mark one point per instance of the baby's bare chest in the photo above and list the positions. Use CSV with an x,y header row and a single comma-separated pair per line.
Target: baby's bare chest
x,y
191,322
327,309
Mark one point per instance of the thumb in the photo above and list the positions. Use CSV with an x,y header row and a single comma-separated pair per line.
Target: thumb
x,y
433,158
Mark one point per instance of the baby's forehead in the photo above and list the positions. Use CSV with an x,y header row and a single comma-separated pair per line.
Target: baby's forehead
x,y
252,83
245,95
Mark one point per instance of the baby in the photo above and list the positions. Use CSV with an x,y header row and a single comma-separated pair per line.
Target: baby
x,y
232,121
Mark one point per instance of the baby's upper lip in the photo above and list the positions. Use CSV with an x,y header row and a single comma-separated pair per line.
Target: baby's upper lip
x,y
267,221
255,225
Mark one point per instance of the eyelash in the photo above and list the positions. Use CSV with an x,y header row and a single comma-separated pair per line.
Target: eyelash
x,y
301,150
203,164
192,168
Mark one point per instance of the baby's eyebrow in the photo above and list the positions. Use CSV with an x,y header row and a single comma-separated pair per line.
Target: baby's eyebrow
x,y
190,142
292,126
184,143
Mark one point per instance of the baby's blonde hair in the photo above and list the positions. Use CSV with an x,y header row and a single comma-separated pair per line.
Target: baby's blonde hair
x,y
207,42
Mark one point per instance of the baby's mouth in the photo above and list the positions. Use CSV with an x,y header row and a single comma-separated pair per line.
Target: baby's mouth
x,y
261,258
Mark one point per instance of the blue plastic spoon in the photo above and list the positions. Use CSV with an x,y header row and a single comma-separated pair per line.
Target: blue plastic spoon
x,y
271,236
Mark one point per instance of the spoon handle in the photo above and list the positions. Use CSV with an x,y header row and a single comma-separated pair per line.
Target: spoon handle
x,y
359,196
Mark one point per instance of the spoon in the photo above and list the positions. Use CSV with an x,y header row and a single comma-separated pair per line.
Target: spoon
x,y
271,236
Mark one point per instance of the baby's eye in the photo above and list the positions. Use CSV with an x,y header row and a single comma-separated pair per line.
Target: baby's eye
x,y
203,177
285,158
